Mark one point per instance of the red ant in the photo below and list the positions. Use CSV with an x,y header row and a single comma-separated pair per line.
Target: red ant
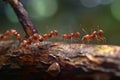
x,y
51,34
39,38
31,39
71,35
9,33
98,35
54,34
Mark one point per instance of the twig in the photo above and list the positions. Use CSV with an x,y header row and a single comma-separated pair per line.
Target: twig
x,y
23,17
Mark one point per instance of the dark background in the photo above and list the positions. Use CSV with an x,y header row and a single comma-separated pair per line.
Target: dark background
x,y
67,16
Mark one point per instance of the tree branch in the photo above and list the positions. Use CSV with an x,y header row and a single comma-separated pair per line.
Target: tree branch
x,y
73,59
23,17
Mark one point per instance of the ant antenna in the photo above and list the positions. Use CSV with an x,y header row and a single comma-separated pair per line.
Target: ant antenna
x,y
92,29
84,31
98,27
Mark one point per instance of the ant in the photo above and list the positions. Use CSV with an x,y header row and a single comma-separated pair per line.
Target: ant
x,y
98,35
9,33
52,34
71,35
38,37
31,39
55,34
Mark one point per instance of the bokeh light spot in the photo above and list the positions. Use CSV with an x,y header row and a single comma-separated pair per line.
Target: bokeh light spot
x,y
40,9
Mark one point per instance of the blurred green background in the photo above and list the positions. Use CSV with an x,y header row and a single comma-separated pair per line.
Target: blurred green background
x,y
67,16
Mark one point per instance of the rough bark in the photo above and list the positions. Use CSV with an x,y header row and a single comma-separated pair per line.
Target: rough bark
x,y
79,60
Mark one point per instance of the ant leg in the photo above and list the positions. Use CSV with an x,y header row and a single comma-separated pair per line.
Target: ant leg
x,y
58,38
97,40
74,39
88,41
79,40
103,39
84,41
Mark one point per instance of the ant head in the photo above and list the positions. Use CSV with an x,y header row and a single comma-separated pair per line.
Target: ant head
x,y
51,32
69,36
100,32
7,32
18,37
25,43
77,34
13,30
72,34
94,33
40,38
35,36
55,32
49,35
64,36
45,36
87,36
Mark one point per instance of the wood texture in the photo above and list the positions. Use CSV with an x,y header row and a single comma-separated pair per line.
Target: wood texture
x,y
78,60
